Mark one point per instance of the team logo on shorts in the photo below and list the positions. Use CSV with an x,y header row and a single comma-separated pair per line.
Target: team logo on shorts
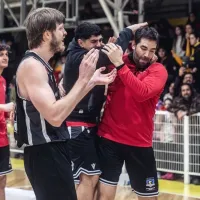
x,y
93,165
150,184
72,165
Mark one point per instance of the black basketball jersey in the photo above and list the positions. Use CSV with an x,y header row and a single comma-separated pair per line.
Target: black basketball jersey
x,y
29,125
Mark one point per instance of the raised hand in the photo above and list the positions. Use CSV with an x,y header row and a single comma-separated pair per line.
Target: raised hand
x,y
135,27
88,65
181,114
103,79
154,59
114,53
112,39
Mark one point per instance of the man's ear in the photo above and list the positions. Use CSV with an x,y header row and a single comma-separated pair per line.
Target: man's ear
x,y
47,35
133,45
80,42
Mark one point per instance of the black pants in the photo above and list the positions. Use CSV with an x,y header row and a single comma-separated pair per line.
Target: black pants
x,y
48,168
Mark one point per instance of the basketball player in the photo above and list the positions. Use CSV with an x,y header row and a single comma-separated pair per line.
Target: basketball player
x,y
40,113
82,122
126,129
5,166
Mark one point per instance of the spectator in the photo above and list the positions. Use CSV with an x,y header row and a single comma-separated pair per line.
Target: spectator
x,y
194,63
183,77
170,64
188,30
168,61
179,42
170,94
188,103
193,21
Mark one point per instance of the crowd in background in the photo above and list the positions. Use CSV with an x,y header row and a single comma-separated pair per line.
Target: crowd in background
x,y
178,51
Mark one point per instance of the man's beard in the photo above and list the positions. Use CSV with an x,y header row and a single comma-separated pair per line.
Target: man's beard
x,y
55,44
136,59
187,98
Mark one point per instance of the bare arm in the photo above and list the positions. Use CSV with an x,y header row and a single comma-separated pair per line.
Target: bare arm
x,y
8,107
55,112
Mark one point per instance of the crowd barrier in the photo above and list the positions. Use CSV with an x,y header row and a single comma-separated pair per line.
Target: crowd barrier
x,y
176,144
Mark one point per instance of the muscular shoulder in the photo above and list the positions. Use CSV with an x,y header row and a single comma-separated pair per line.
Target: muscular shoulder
x,y
30,68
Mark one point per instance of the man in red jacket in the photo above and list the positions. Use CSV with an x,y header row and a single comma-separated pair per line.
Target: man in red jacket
x,y
126,129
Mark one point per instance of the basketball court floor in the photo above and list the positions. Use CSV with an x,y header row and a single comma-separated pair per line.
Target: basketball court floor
x,y
18,187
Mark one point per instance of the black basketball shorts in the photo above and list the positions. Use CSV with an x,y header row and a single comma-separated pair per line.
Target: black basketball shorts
x,y
140,165
5,165
82,149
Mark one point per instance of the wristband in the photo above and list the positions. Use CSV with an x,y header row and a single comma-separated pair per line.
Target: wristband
x,y
119,67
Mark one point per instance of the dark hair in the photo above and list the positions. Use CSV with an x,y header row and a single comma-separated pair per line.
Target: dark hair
x,y
196,34
85,30
39,21
149,33
193,92
189,85
4,47
187,74
190,25
182,30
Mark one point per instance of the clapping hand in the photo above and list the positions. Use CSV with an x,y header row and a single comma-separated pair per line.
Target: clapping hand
x,y
103,79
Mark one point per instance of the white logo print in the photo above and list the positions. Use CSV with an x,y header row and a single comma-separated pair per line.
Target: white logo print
x,y
93,165
72,165
80,111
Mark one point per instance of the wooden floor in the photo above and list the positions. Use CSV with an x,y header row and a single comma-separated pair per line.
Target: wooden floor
x,y
126,194
18,179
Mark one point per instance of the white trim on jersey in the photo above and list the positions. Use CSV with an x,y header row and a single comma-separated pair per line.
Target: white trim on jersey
x,y
30,139
44,131
70,131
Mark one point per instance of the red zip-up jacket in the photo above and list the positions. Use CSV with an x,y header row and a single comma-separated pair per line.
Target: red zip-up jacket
x,y
131,103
